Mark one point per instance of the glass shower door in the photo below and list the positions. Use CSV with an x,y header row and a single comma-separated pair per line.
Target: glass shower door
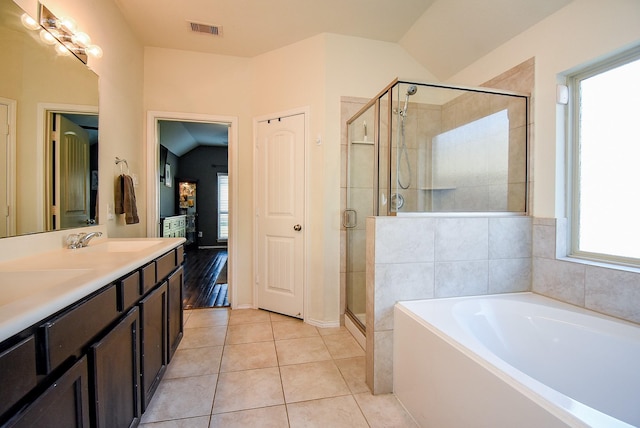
x,y
361,188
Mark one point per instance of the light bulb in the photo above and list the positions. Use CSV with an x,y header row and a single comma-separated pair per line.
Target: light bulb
x,y
94,51
29,22
46,37
81,39
62,49
67,24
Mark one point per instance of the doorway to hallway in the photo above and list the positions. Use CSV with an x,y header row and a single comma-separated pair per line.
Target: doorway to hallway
x,y
196,148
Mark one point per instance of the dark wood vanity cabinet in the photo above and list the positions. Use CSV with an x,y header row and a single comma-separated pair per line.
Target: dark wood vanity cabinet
x,y
115,369
65,335
175,315
98,362
17,368
153,322
64,404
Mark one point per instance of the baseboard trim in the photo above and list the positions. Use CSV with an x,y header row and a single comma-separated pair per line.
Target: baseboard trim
x,y
243,306
322,324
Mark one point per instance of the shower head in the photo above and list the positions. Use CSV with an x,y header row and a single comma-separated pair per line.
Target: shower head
x,y
411,90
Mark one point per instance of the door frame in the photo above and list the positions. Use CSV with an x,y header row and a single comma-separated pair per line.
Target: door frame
x,y
305,111
11,170
153,181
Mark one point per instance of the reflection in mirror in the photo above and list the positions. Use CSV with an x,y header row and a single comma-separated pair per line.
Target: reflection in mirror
x,y
72,156
38,88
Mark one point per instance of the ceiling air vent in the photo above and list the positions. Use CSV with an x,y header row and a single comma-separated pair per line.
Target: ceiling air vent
x,y
214,30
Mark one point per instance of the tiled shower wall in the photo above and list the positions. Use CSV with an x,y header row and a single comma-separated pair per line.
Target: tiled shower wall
x,y
412,258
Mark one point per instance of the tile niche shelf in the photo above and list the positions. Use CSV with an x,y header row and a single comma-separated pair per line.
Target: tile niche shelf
x,y
434,188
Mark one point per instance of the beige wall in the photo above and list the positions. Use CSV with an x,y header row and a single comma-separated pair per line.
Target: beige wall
x,y
578,33
310,74
189,82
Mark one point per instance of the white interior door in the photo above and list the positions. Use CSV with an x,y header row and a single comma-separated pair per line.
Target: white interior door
x,y
280,214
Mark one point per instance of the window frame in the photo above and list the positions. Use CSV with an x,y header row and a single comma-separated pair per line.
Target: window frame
x,y
220,211
573,155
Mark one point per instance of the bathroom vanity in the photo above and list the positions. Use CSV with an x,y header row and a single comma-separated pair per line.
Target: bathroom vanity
x,y
86,334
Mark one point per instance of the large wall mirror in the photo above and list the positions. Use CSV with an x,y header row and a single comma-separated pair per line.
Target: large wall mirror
x,y
49,159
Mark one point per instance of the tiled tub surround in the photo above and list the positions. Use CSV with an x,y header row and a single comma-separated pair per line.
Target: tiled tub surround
x,y
600,287
410,258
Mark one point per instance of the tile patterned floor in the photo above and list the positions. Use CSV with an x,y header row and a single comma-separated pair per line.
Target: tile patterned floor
x,y
251,368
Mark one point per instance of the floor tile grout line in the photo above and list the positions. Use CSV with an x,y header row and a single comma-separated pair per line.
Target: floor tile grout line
x,y
215,390
284,397
332,358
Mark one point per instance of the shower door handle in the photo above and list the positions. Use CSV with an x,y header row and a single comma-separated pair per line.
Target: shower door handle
x,y
347,223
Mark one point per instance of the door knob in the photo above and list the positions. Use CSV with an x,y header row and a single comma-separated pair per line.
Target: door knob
x,y
297,228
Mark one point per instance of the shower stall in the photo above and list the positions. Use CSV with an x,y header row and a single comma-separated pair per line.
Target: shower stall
x,y
430,149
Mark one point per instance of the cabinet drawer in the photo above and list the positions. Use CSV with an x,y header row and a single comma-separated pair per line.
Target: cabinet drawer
x,y
69,332
130,290
148,277
165,265
17,372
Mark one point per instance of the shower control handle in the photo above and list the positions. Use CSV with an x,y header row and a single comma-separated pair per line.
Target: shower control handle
x,y
297,228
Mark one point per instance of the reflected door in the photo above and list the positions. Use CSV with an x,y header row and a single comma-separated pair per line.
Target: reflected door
x,y
4,166
73,175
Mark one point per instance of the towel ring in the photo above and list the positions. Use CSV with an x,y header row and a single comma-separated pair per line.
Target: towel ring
x,y
120,162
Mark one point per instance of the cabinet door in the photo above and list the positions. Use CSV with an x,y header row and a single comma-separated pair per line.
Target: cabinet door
x,y
65,404
175,310
153,322
115,370
17,372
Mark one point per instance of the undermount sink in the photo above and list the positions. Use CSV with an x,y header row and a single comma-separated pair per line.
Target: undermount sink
x,y
121,246
15,285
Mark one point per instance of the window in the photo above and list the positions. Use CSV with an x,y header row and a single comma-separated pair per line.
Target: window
x,y
223,207
605,160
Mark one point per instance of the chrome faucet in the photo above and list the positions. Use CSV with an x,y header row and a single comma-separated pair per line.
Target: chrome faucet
x,y
84,238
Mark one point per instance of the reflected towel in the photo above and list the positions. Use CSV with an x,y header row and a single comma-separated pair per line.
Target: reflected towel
x,y
126,199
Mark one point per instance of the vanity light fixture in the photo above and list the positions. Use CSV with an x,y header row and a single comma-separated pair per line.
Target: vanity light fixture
x,y
29,22
63,32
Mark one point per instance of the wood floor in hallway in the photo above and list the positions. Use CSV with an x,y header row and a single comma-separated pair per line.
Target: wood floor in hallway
x,y
205,279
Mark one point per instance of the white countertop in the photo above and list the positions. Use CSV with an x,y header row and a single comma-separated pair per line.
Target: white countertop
x,y
34,287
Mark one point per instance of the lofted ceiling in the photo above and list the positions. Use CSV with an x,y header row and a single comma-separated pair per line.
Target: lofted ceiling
x,y
182,137
443,35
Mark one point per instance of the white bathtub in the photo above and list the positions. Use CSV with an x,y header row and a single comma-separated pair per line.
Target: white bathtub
x,y
514,360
